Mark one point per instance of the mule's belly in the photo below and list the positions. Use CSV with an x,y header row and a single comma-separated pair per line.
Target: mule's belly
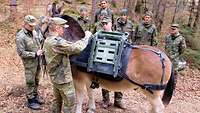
x,y
117,86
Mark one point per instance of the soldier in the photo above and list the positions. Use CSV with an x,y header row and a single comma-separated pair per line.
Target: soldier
x,y
98,25
145,32
83,19
175,45
57,51
104,7
28,43
107,26
123,24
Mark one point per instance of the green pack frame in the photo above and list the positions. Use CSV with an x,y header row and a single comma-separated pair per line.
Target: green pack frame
x,y
105,54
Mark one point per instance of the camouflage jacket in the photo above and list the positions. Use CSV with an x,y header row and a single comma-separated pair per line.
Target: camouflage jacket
x,y
109,14
27,45
175,46
57,51
97,27
84,23
146,35
125,27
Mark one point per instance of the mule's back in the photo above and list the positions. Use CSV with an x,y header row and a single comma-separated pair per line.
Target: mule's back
x,y
145,65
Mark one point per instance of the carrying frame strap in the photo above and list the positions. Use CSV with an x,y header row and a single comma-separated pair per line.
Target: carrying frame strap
x,y
149,87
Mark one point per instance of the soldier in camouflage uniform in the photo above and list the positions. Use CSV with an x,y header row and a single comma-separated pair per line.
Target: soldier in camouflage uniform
x,y
28,43
103,7
57,51
174,46
123,24
98,25
145,32
83,19
106,24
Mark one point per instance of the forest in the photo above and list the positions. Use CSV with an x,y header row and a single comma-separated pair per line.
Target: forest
x,y
186,13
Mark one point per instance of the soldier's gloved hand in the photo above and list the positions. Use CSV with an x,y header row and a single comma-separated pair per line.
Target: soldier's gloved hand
x,y
39,52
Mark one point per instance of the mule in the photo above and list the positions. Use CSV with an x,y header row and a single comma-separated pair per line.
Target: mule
x,y
144,67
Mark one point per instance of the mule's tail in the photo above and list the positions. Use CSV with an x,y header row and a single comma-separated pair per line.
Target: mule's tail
x,y
169,88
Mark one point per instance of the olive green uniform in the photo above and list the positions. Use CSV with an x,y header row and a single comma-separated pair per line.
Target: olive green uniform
x,y
125,26
145,34
175,46
57,51
27,45
84,23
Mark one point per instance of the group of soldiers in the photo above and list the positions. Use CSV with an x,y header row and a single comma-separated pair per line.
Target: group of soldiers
x,y
31,46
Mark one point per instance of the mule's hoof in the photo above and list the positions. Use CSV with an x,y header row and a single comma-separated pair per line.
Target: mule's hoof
x,y
91,111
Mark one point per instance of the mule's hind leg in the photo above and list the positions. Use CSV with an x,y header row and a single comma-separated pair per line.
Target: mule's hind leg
x,y
91,100
156,101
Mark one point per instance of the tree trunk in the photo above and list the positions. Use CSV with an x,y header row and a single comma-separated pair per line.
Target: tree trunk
x,y
131,4
191,13
175,11
159,15
155,6
197,19
13,10
141,6
94,7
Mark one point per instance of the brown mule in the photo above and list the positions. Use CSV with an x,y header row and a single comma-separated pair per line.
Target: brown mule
x,y
144,67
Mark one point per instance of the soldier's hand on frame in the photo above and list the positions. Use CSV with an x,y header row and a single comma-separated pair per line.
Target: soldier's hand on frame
x,y
88,34
39,52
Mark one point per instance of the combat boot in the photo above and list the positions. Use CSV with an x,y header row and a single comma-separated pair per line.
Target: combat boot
x,y
118,100
119,104
106,98
32,104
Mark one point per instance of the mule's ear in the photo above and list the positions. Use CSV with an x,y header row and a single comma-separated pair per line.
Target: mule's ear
x,y
74,32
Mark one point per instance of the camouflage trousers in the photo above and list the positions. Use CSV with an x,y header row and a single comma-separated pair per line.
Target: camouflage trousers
x,y
117,96
32,76
64,95
179,64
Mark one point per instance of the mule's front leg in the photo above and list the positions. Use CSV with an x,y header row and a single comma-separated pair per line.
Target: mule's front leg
x,y
91,101
79,96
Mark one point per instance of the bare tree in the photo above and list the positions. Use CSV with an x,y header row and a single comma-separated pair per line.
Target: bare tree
x,y
94,7
130,5
13,10
159,15
197,19
155,6
192,6
175,12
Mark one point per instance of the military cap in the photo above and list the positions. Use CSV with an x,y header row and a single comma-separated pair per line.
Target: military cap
x,y
149,13
83,8
58,21
124,12
106,20
175,25
31,20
